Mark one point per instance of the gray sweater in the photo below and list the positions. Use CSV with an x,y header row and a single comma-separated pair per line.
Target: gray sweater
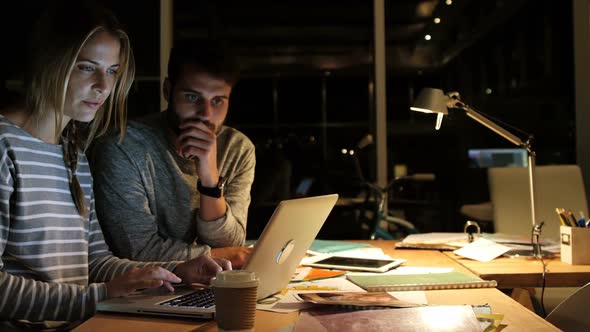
x,y
146,196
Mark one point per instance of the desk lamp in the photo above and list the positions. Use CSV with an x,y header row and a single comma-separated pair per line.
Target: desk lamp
x,y
436,101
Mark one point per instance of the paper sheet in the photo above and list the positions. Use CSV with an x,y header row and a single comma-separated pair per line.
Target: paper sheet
x,y
309,273
482,250
435,237
417,297
371,252
330,247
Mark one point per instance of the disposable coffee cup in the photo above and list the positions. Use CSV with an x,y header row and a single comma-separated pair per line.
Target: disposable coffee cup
x,y
235,300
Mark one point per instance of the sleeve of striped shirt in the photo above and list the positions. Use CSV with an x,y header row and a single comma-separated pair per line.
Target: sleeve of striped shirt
x,y
103,266
6,190
24,298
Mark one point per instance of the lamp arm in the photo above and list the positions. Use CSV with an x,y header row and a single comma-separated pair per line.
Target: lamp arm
x,y
472,113
434,101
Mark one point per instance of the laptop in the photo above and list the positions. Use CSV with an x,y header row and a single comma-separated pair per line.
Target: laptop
x,y
559,186
289,233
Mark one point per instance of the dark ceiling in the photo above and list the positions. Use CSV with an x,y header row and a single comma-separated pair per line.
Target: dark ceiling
x,y
329,35
294,36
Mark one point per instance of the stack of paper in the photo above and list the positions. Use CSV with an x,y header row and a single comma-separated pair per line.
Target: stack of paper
x,y
435,241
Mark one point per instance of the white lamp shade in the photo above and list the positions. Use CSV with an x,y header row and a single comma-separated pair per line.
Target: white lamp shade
x,y
431,100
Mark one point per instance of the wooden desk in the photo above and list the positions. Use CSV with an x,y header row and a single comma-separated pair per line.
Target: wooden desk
x,y
524,272
516,317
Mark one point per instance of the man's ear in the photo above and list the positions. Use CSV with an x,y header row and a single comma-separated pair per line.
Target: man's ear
x,y
167,89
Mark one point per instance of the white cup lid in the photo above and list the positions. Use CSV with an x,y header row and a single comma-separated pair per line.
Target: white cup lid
x,y
235,279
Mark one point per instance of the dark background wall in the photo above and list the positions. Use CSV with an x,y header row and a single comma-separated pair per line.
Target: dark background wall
x,y
306,91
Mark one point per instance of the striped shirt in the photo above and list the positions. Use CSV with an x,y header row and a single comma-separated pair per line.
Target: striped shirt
x,y
53,261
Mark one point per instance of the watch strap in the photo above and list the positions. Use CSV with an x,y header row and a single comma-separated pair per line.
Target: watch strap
x,y
216,191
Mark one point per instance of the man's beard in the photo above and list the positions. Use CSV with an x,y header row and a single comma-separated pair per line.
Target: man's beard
x,y
174,120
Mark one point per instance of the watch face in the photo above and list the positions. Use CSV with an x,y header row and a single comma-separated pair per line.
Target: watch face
x,y
221,183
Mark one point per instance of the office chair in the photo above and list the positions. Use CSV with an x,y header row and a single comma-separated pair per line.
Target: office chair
x,y
556,186
572,313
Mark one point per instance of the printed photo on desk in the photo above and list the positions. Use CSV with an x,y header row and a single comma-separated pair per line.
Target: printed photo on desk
x,y
356,299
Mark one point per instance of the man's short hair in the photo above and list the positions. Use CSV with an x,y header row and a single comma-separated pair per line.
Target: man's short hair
x,y
209,56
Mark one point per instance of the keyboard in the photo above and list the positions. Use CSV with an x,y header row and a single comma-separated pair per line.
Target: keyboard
x,y
202,298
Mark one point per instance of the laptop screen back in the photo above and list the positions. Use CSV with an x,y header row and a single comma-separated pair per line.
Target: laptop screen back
x,y
286,238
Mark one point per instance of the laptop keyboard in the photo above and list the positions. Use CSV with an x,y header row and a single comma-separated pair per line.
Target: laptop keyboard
x,y
202,298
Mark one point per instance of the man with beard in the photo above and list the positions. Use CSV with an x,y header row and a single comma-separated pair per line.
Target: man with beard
x,y
177,185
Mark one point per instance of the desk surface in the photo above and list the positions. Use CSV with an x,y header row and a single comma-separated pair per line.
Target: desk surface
x,y
516,317
526,272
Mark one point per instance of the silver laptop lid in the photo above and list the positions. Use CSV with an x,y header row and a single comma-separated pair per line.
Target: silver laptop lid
x,y
287,236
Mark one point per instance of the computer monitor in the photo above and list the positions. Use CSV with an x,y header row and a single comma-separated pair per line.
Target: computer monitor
x,y
304,186
484,158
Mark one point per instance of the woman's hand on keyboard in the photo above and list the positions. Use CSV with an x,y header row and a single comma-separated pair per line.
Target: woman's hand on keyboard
x,y
140,278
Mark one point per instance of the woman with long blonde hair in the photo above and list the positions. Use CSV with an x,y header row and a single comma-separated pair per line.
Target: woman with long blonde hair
x,y
54,263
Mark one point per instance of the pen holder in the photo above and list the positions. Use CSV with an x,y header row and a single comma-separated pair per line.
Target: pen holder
x,y
575,245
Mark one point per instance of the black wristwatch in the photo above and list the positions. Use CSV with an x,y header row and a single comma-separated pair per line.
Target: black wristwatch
x,y
216,191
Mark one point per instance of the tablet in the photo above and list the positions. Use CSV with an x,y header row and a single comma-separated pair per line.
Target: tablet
x,y
354,264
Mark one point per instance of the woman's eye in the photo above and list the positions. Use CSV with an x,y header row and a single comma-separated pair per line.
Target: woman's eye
x,y
112,71
88,69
